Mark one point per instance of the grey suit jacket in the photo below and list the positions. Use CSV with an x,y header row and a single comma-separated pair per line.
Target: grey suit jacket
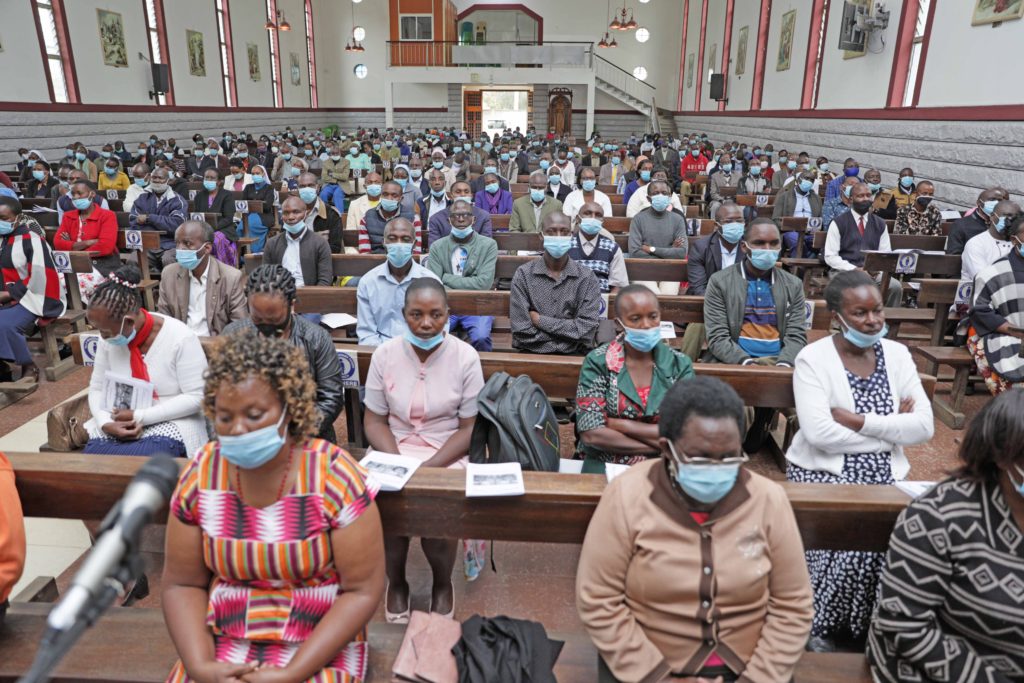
x,y
725,302
314,257
785,204
225,294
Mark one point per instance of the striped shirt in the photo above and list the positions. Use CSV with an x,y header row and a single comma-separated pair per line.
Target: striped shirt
x,y
26,264
759,333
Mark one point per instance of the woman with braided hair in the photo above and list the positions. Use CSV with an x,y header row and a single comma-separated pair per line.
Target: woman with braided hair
x,y
153,348
275,554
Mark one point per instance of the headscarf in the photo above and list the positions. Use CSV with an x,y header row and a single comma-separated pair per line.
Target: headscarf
x,y
38,154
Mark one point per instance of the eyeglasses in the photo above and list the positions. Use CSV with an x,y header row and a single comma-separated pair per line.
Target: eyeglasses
x,y
687,460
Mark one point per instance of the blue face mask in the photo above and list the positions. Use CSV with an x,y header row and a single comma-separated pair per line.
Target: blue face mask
x,y
557,247
590,225
1000,223
860,339
989,206
438,165
806,185
874,187
726,168
82,203
373,190
121,339
6,227
791,165
554,180
660,202
852,172
504,156
764,259
243,155
259,180
254,449
210,185
187,258
307,194
492,188
39,175
732,232
645,176
490,169
437,193
389,205
296,171
705,483
462,233
294,228
399,253
141,182
80,156
425,344
403,182
642,340
616,161
589,185
907,181
823,167
536,195
545,164
110,171
847,190
755,171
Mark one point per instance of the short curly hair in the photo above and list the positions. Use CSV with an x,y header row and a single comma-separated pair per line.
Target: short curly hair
x,y
277,362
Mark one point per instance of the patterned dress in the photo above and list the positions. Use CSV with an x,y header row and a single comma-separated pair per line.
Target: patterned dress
x,y
845,583
273,570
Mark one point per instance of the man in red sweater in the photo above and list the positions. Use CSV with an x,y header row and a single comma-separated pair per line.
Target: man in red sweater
x,y
691,164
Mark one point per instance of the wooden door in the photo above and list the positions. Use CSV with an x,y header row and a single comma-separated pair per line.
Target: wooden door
x,y
560,115
472,112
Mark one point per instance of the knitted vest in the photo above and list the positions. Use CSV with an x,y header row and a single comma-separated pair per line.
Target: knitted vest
x,y
375,227
599,261
851,244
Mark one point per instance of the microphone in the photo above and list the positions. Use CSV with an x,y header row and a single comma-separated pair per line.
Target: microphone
x,y
147,493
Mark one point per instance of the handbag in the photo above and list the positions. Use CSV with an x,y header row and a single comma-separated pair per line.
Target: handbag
x,y
65,424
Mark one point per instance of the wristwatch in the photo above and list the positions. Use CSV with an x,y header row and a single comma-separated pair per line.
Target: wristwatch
x,y
653,249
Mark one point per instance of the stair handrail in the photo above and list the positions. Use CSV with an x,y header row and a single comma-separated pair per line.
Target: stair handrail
x,y
655,117
623,80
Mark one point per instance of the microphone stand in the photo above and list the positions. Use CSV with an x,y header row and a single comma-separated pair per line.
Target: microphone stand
x,y
56,643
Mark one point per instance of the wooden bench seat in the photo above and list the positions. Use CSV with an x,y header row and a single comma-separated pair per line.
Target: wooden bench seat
x,y
960,359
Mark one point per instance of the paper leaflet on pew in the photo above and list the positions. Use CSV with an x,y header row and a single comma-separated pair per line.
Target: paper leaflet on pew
x,y
336,320
126,393
498,479
392,471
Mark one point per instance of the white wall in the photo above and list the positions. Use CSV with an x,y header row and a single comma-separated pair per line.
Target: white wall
x,y
740,88
336,85
692,48
98,83
247,27
21,62
189,90
294,41
714,36
971,65
862,82
783,89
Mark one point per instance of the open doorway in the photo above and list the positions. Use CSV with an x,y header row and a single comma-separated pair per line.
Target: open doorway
x,y
493,110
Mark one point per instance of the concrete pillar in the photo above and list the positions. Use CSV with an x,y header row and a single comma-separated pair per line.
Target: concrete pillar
x,y
389,105
591,97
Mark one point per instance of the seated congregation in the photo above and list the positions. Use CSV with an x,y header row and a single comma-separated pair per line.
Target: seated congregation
x,y
459,257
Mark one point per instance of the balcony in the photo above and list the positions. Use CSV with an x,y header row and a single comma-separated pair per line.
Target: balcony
x,y
490,55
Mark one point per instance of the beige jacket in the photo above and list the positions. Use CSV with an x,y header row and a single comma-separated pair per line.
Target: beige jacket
x,y
658,593
225,294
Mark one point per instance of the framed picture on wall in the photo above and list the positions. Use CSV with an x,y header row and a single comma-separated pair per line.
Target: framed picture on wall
x,y
853,54
786,41
741,51
296,70
196,53
689,70
112,44
992,11
252,50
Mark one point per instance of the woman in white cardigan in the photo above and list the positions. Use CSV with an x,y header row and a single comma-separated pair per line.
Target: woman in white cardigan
x,y
859,401
145,347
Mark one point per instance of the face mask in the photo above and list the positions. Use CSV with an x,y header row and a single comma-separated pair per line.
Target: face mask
x,y
80,156
1000,223
642,340
806,185
141,182
847,190
296,171
476,145
544,164
732,232
121,339
71,152
925,201
862,207
376,148
726,168
335,157
589,185
554,180
425,344
255,449
852,172
645,176
490,169
660,202
989,206
188,258
464,198
557,247
694,153
570,155
399,253
389,205
492,188
755,171
907,181
616,161
275,150
705,483
295,228
402,182
105,155
211,152
590,225
373,190
874,187
6,227
860,339
82,203
307,194
353,151
210,185
536,195
823,167
197,153
438,165
763,259
388,143
462,233
286,156
504,156
791,165
416,173
39,175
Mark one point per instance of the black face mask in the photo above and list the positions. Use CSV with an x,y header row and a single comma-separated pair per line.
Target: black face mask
x,y
862,207
272,329
924,201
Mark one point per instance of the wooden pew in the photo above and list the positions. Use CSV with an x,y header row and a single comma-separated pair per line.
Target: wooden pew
x,y
136,252
75,262
888,263
942,293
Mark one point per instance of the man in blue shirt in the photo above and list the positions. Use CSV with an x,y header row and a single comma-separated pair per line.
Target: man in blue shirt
x,y
850,170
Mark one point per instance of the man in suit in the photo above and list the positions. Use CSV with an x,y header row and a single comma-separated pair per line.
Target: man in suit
x,y
798,200
557,187
611,171
437,200
667,158
529,211
199,290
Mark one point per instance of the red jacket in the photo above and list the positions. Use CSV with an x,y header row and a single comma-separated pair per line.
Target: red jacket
x,y
101,224
690,166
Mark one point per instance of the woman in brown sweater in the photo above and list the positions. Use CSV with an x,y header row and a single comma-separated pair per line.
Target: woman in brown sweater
x,y
693,566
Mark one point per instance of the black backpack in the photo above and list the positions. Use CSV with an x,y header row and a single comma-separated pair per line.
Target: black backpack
x,y
515,423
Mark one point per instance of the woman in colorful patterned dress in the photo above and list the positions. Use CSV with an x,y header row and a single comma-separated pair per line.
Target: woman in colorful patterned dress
x,y
275,555
860,401
622,384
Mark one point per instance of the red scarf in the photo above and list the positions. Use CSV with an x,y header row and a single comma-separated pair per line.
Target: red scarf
x,y
139,370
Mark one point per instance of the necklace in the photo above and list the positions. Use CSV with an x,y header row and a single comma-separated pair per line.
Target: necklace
x,y
280,489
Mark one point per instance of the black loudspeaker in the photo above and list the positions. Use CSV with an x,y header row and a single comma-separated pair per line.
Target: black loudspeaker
x,y
718,87
161,78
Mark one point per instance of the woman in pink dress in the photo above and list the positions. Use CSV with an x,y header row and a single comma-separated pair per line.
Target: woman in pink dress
x,y
421,402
